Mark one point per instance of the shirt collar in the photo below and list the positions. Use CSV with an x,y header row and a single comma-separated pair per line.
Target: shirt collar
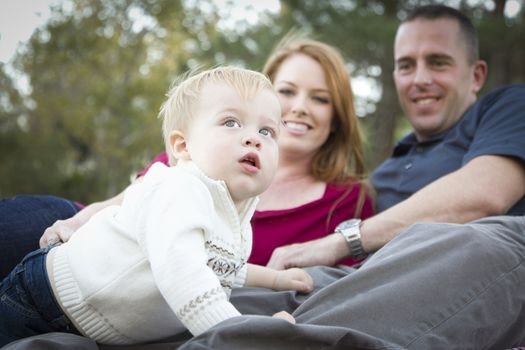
x,y
409,141
245,209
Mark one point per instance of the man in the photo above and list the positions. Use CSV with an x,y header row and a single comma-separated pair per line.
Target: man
x,y
464,160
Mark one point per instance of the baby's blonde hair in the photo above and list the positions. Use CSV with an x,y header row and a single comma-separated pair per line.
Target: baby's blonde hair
x,y
184,94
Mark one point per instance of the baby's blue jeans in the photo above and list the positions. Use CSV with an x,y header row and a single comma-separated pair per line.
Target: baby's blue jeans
x,y
27,304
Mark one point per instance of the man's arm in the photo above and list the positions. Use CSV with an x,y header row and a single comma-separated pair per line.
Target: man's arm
x,y
487,185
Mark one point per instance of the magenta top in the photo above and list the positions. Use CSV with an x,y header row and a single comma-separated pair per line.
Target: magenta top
x,y
161,157
275,228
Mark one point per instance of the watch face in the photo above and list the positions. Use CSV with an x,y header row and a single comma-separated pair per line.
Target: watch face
x,y
347,224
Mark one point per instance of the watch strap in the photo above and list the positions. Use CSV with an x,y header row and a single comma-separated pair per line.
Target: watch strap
x,y
352,234
356,246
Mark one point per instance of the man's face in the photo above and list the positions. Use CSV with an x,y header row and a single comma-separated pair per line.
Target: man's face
x,y
434,80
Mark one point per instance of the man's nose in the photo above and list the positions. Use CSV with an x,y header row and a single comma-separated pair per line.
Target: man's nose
x,y
422,76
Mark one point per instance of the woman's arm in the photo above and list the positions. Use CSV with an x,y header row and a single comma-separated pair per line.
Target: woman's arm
x,y
62,230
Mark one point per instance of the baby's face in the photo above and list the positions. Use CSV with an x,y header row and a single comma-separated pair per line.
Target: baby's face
x,y
235,139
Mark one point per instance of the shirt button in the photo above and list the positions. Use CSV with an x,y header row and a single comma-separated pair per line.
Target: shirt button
x,y
408,166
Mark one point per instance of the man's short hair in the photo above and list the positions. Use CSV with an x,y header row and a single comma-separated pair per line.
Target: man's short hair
x,y
433,12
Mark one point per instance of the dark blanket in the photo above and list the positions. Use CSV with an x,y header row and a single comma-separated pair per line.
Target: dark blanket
x,y
435,286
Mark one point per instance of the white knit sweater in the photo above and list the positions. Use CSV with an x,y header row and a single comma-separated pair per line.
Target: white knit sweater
x,y
163,261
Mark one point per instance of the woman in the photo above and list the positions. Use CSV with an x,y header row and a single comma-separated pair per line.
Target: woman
x,y
317,184
318,181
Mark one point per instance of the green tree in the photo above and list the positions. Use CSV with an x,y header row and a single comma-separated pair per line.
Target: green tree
x,y
364,31
13,141
97,79
98,72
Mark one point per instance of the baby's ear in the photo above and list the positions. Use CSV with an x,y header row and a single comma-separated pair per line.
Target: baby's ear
x,y
178,145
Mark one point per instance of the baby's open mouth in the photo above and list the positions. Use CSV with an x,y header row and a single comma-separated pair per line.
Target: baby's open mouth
x,y
251,159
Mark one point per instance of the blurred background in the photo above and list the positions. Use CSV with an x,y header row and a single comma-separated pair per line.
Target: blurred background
x,y
79,98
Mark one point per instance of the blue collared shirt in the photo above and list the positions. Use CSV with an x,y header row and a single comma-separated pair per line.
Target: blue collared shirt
x,y
494,125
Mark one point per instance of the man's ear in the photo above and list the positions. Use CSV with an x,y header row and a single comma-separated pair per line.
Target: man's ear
x,y
178,145
480,75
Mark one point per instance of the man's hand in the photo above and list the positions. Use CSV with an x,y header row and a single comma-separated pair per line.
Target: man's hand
x,y
60,231
325,251
293,279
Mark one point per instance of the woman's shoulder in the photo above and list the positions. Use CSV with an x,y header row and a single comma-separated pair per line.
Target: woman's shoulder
x,y
348,184
352,192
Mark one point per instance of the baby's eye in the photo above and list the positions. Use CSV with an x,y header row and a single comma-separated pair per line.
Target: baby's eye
x,y
267,132
231,123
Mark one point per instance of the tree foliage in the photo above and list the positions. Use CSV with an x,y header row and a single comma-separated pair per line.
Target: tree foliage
x,y
99,69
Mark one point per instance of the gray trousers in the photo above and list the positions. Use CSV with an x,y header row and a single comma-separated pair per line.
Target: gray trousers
x,y
435,286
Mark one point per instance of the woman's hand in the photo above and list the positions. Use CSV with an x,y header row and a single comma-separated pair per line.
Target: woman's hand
x,y
60,231
324,251
293,279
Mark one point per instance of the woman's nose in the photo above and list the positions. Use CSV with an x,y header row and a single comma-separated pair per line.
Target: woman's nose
x,y
299,106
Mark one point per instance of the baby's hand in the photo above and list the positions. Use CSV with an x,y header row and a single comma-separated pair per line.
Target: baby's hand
x,y
284,316
293,279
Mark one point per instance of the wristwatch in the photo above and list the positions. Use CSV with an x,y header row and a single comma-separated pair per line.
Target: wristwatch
x,y
351,231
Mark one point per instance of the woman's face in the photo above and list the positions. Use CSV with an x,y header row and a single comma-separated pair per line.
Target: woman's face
x,y
306,104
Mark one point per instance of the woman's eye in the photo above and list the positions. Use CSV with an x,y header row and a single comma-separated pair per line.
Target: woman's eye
x,y
232,124
321,99
285,92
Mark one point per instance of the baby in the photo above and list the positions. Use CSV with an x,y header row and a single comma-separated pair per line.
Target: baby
x,y
167,258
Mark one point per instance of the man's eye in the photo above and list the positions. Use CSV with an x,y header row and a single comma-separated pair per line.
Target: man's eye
x,y
232,124
439,63
403,67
